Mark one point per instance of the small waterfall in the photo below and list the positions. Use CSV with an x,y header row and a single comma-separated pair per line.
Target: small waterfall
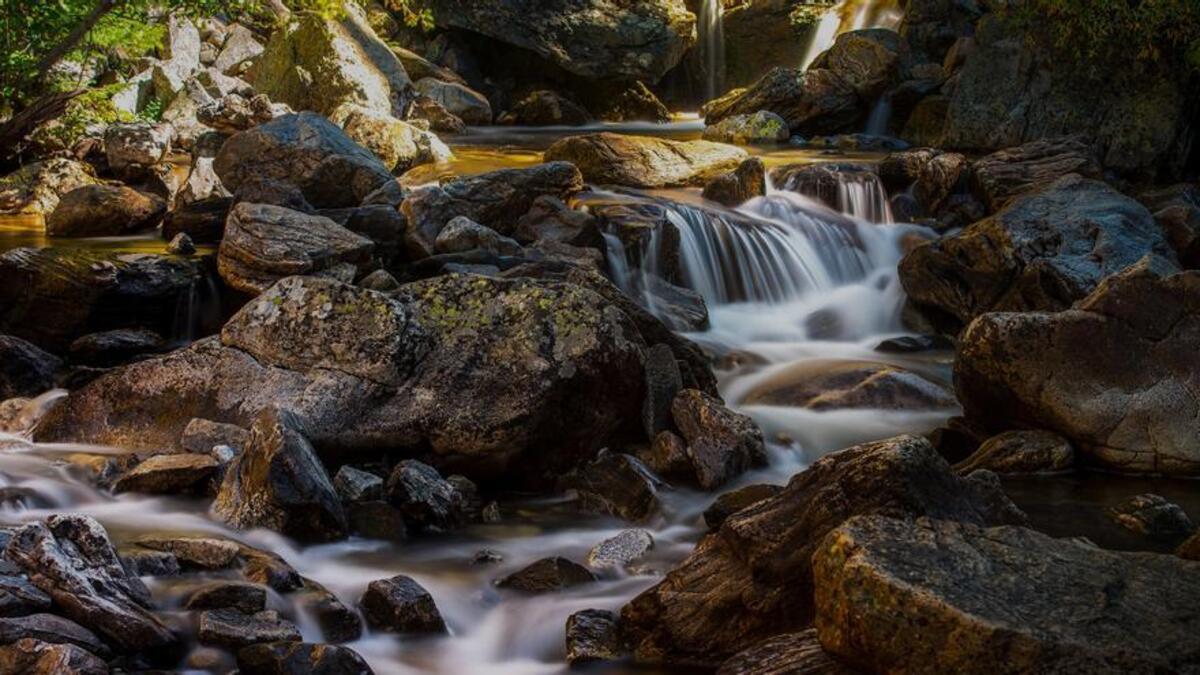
x,y
712,47
881,116
849,188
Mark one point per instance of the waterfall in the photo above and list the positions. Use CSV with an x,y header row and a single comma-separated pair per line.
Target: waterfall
x,y
712,47
846,16
849,188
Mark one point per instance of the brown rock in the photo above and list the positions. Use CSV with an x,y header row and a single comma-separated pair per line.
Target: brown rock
x,y
643,161
722,444
746,182
168,475
1001,176
1021,452
832,385
104,211
788,654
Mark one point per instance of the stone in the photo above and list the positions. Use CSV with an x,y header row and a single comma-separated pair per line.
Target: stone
x,y
545,108
869,60
1190,549
426,501
355,485
462,234
277,482
265,243
1176,209
32,657
894,595
1021,452
377,520
337,621
114,347
618,485
621,550
644,161
627,102
401,605
268,569
663,383
380,281
233,113
181,244
460,100
195,552
1153,516
146,563
136,144
722,444
752,578
300,658
244,597
233,629
742,184
440,120
104,211
788,653
548,575
549,219
836,384
36,188
933,175
26,370
19,597
1044,251
203,221
1027,370
398,144
592,636
1009,173
317,63
763,127
71,559
52,629
730,503
239,47
813,102
201,436
169,475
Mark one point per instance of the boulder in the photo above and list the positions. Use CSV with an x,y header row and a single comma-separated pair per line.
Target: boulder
x,y
1176,208
544,108
277,482
33,657
593,39
618,485
377,519
1125,402
548,575
233,629
316,63
812,102
401,605
731,502
428,111
621,550
835,384
36,188
168,475
747,181
355,485
1021,452
52,629
136,145
300,658
626,102
933,176
71,559
424,498
644,161
202,220
336,621
104,211
239,49
296,149
721,444
1043,251
940,596
868,60
1152,516
399,145
1009,173
592,636
201,436
762,127
265,243
458,99
202,553
19,597
788,653
752,578
233,112
239,595
462,234
26,370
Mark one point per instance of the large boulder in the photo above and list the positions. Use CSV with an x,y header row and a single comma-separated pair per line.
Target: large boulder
x,y
1115,375
544,108
265,243
644,161
1001,176
302,150
938,596
753,579
595,39
812,102
1044,251
458,99
104,211
398,144
868,60
36,188
316,63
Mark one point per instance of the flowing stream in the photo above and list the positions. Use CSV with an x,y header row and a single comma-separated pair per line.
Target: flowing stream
x,y
787,281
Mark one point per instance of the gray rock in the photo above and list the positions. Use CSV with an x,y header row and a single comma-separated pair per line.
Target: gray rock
x,y
1001,176
592,636
233,629
239,48
618,485
355,485
19,597
136,144
460,100
401,605
426,500
377,520
620,551
338,622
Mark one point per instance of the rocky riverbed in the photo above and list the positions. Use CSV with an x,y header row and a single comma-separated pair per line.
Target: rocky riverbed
x,y
389,349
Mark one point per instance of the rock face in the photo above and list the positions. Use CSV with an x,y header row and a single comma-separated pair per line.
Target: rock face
x,y
317,64
265,243
1044,251
752,578
278,482
1140,329
104,211
643,161
595,39
937,596
298,150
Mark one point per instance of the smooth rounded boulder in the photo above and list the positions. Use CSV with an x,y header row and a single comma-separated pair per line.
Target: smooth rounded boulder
x,y
104,211
645,161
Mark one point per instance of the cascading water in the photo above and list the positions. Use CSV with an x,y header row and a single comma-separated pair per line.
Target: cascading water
x,y
852,189
712,47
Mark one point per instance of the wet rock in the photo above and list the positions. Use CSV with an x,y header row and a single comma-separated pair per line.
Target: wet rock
x,y
460,100
868,60
621,550
265,243
667,456
201,436
463,234
752,579
355,485
401,605
746,182
799,653
545,108
812,102
915,344
36,188
1152,515
377,520
203,221
933,176
268,569
833,385
104,211
71,559
315,63
1044,251
26,370
181,244
114,347
762,127
1027,370
146,563
399,145
290,150
168,475
52,629
663,382
1021,452
547,575
730,503
722,444
136,144
893,595
592,636
338,622
32,657
246,598
551,220
496,199
300,658
1001,176
643,161
233,629
278,482
426,500
195,552
19,597
618,485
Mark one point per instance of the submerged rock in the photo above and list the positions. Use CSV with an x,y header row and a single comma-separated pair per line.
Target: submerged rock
x,y
1152,515
645,161
401,605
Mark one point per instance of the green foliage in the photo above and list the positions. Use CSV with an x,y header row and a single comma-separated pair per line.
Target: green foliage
x,y
1147,30
92,108
153,110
